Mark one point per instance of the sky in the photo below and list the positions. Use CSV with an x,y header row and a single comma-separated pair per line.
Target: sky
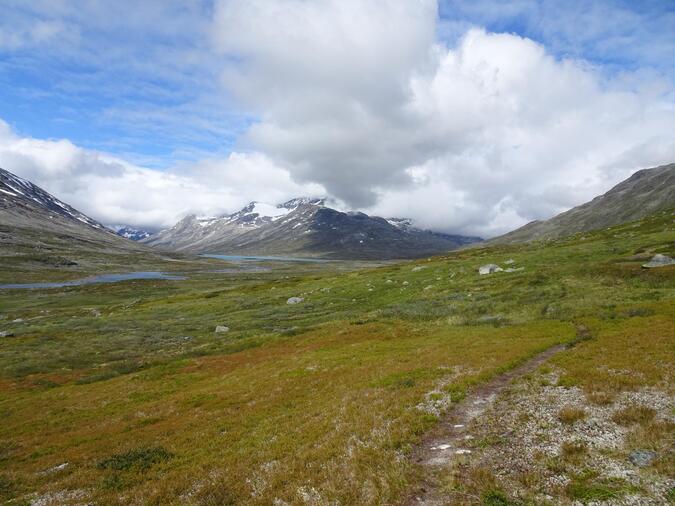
x,y
468,116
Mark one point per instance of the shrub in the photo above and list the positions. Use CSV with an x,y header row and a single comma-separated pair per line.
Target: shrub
x,y
600,398
140,458
635,413
572,450
571,414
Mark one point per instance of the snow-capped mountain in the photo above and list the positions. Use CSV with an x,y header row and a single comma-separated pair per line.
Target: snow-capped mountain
x,y
131,233
27,210
304,226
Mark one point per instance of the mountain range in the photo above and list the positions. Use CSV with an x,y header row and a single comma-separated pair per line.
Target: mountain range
x,y
132,233
305,227
33,220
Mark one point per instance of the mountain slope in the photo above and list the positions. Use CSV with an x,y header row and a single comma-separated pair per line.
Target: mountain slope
x,y
31,217
645,192
304,227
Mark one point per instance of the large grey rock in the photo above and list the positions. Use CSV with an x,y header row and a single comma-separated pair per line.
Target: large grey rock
x,y
295,300
659,261
489,269
6,334
221,329
642,458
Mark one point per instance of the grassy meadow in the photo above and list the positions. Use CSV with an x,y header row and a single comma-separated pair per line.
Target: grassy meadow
x,y
123,393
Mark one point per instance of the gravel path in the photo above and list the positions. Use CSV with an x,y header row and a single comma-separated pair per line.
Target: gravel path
x,y
441,446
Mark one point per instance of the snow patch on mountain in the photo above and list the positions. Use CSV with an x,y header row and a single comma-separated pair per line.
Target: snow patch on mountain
x,y
268,210
134,234
15,186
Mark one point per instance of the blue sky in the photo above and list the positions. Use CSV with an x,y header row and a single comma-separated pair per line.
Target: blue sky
x,y
354,100
125,86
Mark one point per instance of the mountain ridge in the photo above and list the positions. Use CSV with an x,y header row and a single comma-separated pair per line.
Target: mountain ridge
x,y
31,217
305,226
643,193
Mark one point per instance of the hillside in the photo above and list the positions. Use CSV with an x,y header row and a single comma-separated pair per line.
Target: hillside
x,y
38,231
304,227
645,192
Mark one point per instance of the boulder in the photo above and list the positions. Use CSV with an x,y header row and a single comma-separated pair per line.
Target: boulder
x,y
659,261
295,300
642,458
6,334
221,329
489,269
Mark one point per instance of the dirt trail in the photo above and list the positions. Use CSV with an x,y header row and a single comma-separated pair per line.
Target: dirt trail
x,y
439,447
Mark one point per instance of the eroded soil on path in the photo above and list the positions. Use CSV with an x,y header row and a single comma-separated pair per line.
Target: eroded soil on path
x,y
447,442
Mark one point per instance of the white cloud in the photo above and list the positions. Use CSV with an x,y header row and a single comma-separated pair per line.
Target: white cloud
x,y
356,99
114,191
495,124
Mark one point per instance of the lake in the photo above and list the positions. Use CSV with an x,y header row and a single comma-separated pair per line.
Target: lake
x,y
256,258
103,278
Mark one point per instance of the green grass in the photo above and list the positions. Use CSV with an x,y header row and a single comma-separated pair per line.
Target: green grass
x,y
588,487
310,400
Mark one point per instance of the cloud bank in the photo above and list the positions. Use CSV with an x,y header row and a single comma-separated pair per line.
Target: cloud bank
x,y
366,103
113,191
480,137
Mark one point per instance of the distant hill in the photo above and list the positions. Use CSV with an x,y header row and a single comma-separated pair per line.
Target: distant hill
x,y
645,192
132,233
305,227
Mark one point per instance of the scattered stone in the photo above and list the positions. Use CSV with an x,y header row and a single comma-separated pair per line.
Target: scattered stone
x,y
419,268
490,318
5,333
462,451
295,300
18,320
512,269
429,287
55,469
659,261
95,312
642,458
510,261
489,269
389,281
221,329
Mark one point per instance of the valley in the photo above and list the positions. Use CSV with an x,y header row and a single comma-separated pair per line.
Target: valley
x,y
125,393
337,253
